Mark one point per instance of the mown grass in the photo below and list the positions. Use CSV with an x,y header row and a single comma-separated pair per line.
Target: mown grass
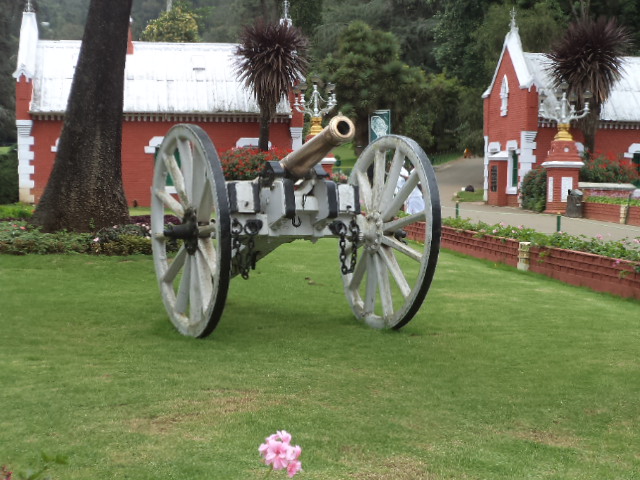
x,y
476,196
502,375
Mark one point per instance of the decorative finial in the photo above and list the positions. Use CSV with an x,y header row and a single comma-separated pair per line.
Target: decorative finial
x,y
29,7
285,14
513,24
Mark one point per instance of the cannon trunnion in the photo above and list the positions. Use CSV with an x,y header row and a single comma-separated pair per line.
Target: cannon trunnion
x,y
228,226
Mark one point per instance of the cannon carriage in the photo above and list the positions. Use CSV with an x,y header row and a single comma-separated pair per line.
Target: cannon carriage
x,y
228,226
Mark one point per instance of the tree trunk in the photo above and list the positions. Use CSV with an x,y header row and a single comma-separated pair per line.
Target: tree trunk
x,y
589,127
85,191
265,126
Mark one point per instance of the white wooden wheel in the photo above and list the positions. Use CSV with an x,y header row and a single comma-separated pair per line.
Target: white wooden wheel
x,y
188,182
391,278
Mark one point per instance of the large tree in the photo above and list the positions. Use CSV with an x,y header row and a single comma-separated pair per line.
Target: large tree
x,y
179,23
589,57
9,25
369,75
271,57
85,191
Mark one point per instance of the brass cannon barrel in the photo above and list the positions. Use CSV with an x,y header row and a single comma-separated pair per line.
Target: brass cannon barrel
x,y
340,130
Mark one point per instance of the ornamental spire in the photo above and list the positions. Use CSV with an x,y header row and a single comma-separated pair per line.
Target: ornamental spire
x,y
513,25
29,7
285,14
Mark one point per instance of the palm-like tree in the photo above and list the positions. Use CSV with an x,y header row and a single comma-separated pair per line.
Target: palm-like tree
x,y
590,58
271,58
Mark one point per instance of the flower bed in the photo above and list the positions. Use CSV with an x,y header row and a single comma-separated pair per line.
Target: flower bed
x,y
616,271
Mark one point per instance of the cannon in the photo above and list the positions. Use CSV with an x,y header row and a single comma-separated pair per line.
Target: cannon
x,y
228,226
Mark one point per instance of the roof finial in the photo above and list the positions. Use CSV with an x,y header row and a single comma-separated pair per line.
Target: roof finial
x,y
514,26
285,14
29,7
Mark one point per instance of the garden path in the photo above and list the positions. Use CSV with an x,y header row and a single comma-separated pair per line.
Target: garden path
x,y
456,175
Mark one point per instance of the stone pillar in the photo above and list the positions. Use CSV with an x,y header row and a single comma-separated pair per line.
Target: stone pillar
x,y
563,169
25,159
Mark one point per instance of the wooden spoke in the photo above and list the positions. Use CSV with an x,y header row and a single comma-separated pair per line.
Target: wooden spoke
x,y
392,265
402,222
397,245
392,208
392,277
365,189
169,202
176,176
175,266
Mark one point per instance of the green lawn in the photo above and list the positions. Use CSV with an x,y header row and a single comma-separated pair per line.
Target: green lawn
x,y
502,375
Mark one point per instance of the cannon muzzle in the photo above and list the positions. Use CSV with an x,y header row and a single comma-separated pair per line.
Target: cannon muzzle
x,y
340,130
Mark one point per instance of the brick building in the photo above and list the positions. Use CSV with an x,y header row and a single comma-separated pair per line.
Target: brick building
x,y
518,139
165,84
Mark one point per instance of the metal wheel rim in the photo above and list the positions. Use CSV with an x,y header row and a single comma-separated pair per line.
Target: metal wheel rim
x,y
377,274
193,285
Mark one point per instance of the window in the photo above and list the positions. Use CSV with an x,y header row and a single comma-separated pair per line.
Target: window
x,y
504,96
514,168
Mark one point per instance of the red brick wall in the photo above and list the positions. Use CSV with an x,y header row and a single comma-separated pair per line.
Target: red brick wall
x,y
137,166
601,211
522,112
23,98
634,216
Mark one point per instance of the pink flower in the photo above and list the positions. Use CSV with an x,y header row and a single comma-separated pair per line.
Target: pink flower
x,y
599,237
278,452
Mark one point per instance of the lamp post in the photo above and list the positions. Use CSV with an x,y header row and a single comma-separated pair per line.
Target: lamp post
x,y
317,106
565,111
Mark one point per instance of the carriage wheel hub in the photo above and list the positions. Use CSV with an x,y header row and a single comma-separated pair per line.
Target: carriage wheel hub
x,y
187,231
373,231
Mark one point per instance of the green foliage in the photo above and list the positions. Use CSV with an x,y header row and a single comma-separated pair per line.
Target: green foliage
x,y
16,211
9,176
370,75
626,249
599,168
633,202
18,237
180,24
246,163
306,14
539,26
534,190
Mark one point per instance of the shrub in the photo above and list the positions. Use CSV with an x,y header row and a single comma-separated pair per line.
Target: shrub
x,y
246,163
18,237
620,249
534,190
600,169
16,211
634,202
9,177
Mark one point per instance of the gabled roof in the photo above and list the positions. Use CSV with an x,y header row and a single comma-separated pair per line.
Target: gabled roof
x,y
513,45
623,104
160,78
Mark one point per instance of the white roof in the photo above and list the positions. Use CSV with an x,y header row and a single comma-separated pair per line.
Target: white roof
x,y
174,78
623,104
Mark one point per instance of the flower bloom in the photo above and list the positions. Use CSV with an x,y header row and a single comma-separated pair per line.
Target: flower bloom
x,y
278,452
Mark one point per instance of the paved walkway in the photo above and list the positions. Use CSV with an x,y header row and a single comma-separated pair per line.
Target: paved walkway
x,y
454,176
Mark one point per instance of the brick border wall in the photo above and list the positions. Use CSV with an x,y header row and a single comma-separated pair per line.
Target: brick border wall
x,y
599,273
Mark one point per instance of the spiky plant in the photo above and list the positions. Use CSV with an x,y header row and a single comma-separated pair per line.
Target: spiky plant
x,y
271,57
589,57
